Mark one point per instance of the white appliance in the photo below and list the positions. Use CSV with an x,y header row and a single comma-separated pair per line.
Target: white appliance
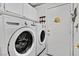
x,y
59,27
41,39
44,52
17,38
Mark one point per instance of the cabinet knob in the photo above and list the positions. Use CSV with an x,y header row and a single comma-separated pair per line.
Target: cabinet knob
x,y
77,45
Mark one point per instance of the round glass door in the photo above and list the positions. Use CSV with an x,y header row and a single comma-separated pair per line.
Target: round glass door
x,y
23,42
42,36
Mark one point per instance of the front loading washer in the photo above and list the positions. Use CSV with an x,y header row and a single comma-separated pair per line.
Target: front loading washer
x,y
17,38
41,40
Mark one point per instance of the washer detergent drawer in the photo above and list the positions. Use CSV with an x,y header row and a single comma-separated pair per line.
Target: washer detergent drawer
x,y
14,7
13,22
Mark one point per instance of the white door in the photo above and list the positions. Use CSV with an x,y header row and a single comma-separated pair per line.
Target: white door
x,y
59,26
76,40
76,34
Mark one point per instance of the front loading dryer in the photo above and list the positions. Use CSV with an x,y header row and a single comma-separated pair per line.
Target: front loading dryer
x,y
41,40
17,38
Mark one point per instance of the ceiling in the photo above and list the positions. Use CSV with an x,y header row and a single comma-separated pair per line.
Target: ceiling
x,y
36,4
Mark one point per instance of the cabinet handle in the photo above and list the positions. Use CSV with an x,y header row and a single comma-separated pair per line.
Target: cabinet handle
x,y
77,45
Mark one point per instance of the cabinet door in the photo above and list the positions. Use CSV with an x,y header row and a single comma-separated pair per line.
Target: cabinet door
x,y
14,7
1,6
76,34
29,12
59,26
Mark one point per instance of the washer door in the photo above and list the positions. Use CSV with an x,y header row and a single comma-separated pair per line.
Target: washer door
x,y
42,36
22,42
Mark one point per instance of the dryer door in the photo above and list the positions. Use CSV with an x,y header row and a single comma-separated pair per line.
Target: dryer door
x,y
42,36
22,42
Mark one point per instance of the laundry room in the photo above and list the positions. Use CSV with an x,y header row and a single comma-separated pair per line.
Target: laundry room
x,y
39,29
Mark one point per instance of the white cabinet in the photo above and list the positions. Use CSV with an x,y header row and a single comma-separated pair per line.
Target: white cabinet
x,y
14,7
1,6
59,26
29,12
41,11
76,34
23,9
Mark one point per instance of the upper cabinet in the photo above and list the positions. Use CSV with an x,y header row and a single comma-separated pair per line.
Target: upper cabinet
x,y
23,9
30,12
14,7
1,7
